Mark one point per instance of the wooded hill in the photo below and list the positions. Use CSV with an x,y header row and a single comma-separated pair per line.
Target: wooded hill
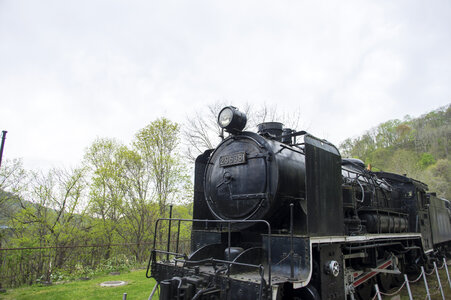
x,y
419,147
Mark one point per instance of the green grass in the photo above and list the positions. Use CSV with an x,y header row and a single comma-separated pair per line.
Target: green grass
x,y
138,287
419,291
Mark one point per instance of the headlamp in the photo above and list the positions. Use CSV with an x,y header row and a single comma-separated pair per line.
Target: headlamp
x,y
231,119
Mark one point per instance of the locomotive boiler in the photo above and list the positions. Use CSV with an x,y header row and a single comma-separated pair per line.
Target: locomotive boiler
x,y
278,214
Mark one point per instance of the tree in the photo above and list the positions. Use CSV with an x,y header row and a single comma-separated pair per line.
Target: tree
x,y
13,179
426,160
52,216
202,132
13,182
131,186
387,133
138,211
439,178
106,194
157,146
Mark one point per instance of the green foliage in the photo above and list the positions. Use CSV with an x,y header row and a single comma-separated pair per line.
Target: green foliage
x,y
439,177
115,198
419,147
426,160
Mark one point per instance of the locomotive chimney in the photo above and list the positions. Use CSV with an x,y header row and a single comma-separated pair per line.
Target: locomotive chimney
x,y
274,129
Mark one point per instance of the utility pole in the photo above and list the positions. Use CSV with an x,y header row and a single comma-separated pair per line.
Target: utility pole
x,y
2,290
3,145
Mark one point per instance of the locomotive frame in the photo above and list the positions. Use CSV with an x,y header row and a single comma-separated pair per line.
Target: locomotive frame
x,y
275,218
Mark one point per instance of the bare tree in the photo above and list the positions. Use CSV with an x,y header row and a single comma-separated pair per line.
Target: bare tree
x,y
265,113
201,131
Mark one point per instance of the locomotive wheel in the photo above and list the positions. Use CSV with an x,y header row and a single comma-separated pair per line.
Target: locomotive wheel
x,y
307,293
398,280
365,291
384,281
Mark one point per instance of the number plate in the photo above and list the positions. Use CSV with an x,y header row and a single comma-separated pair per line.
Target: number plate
x,y
232,159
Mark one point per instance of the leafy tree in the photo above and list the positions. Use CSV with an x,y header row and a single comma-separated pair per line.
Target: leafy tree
x,y
138,211
426,160
157,145
418,147
106,194
132,186
13,182
53,216
387,133
438,176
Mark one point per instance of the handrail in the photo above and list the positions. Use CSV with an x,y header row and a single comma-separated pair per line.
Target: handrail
x,y
228,222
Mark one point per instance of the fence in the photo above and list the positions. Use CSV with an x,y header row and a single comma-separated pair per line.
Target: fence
x,y
29,265
424,275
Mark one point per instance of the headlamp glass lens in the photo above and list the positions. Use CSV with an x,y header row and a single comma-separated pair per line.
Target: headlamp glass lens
x,y
225,117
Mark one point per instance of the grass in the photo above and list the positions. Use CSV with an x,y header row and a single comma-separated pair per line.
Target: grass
x,y
419,291
138,287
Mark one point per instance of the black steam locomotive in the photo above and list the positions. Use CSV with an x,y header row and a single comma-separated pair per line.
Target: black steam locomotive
x,y
279,214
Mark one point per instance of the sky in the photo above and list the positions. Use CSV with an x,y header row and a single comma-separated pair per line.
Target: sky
x,y
72,71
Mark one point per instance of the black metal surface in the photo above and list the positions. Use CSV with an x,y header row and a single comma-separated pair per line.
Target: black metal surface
x,y
206,255
293,265
2,146
323,180
254,187
331,287
200,238
169,230
272,129
228,188
253,256
200,208
381,221
183,284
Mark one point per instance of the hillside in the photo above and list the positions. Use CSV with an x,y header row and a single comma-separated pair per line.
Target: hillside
x,y
419,147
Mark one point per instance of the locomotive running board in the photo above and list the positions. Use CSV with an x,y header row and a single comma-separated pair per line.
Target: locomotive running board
x,y
362,238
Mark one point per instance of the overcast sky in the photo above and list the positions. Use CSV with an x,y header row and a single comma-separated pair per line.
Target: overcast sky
x,y
71,71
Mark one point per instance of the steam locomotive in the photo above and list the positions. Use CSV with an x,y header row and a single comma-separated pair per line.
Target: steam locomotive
x,y
279,214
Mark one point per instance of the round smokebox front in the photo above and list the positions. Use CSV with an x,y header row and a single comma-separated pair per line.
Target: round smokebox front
x,y
236,180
